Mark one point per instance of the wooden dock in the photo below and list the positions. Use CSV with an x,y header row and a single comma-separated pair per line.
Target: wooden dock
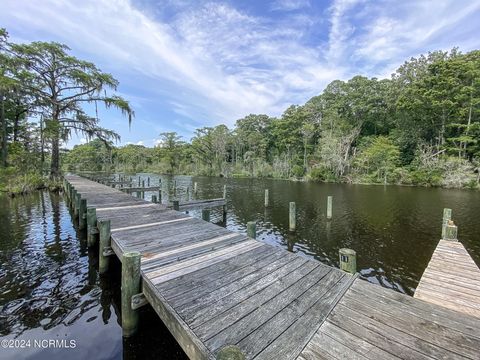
x,y
451,279
215,289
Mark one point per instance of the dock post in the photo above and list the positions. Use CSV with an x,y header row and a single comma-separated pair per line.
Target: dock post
x,y
154,199
292,218
76,209
348,260
148,181
104,243
176,205
206,214
139,181
266,198
130,286
447,216
91,226
252,229
82,214
159,196
224,213
224,191
451,231
329,207
195,188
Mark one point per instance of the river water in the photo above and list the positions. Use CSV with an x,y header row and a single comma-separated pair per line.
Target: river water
x,y
50,288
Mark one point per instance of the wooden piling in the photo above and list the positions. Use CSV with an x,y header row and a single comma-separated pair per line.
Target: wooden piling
x,y
224,214
82,214
92,230
224,191
195,188
130,286
176,205
329,207
154,199
266,198
451,231
348,260
77,205
447,216
148,181
104,245
252,229
292,217
206,214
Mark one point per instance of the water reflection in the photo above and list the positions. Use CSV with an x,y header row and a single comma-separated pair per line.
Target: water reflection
x,y
50,289
393,229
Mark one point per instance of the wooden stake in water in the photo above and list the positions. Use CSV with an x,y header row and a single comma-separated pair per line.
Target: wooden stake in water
x,y
148,181
447,216
348,260
104,245
266,198
252,229
224,191
154,199
195,188
206,214
329,207
292,217
130,286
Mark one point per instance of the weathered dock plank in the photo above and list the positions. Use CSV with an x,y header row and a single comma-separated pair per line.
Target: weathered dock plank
x,y
451,279
371,322
214,288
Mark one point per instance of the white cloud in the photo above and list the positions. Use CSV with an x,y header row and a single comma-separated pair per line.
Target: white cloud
x,y
289,5
212,63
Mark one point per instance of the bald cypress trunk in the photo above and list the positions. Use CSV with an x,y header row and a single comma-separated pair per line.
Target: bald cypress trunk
x,y
4,131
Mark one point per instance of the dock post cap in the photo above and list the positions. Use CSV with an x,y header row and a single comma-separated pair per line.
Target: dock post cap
x,y
348,260
230,352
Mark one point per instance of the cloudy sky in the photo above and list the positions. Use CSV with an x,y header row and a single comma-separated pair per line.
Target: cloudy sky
x,y
184,64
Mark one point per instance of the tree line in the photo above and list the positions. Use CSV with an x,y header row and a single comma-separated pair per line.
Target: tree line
x,y
421,126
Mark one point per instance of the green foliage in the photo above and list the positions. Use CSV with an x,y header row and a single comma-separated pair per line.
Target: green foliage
x,y
420,127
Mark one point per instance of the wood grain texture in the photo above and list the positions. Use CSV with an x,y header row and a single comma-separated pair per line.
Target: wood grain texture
x,y
213,287
451,279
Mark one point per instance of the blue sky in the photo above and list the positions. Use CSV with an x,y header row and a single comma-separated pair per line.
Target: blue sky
x,y
186,64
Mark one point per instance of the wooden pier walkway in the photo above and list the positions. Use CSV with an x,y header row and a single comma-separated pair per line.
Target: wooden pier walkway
x,y
451,279
214,289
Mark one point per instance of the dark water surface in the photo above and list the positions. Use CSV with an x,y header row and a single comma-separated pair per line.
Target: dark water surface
x,y
50,288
